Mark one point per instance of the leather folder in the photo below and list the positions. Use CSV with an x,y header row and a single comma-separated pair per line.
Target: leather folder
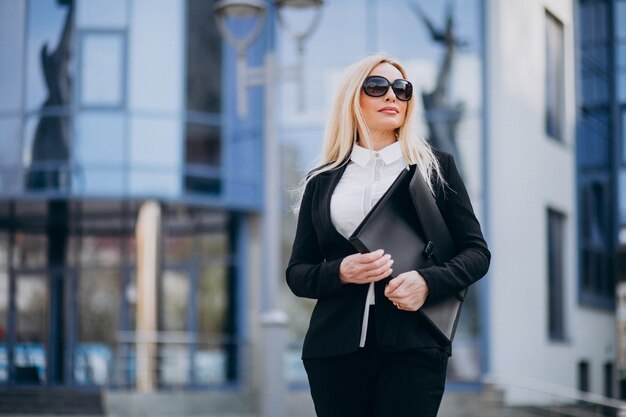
x,y
399,223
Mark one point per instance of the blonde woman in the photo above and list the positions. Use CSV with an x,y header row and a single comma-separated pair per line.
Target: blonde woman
x,y
363,352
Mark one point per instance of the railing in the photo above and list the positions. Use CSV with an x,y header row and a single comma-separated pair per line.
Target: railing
x,y
518,396
176,359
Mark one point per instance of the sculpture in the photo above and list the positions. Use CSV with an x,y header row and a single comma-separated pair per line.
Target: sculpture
x,y
442,116
50,149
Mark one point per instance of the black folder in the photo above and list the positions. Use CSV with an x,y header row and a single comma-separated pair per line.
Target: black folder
x,y
394,224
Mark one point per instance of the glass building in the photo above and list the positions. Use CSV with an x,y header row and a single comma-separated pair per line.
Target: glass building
x,y
104,105
107,104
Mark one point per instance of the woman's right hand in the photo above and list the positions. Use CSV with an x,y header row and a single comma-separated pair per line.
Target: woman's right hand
x,y
363,268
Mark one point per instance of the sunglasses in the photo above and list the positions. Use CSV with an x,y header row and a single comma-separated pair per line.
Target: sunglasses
x,y
377,86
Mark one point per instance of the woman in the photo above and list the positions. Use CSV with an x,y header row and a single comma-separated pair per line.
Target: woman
x,y
358,359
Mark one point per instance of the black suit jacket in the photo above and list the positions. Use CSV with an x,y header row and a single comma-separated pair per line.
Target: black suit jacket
x,y
318,249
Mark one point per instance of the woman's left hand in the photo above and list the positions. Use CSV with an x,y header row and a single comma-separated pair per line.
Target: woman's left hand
x,y
407,291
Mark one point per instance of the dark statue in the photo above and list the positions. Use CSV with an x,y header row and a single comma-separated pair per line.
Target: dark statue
x,y
442,116
50,148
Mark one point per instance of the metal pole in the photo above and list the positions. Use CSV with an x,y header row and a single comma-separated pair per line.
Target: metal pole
x,y
273,320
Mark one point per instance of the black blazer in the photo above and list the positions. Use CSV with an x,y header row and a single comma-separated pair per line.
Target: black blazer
x,y
318,249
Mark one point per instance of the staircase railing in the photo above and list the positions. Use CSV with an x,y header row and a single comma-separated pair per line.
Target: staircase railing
x,y
525,396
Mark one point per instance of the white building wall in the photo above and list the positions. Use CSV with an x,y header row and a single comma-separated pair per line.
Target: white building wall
x,y
529,172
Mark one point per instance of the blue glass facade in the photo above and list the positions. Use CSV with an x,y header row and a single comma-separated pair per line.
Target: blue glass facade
x,y
598,149
133,94
105,104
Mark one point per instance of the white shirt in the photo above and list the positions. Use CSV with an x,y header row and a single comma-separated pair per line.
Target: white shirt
x,y
366,178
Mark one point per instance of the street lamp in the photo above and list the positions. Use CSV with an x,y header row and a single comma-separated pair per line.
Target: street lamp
x,y
273,319
257,10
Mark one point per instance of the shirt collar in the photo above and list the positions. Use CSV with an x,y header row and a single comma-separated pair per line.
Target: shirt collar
x,y
389,154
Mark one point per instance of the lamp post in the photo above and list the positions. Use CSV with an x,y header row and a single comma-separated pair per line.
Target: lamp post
x,y
273,319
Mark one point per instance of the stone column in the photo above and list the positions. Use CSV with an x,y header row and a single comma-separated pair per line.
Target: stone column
x,y
148,235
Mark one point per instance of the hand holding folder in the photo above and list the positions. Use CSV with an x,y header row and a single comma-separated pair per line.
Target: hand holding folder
x,y
407,224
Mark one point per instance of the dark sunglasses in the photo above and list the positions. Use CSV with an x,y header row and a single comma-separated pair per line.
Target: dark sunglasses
x,y
377,86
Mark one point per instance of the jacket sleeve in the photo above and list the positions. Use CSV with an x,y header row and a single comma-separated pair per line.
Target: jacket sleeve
x,y
472,259
308,273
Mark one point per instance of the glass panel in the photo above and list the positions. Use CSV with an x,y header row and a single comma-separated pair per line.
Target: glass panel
x,y
622,204
100,252
175,364
155,155
600,20
10,145
203,145
100,140
100,153
621,85
30,251
103,182
622,191
204,58
203,158
155,143
211,357
593,139
213,299
32,328
46,22
179,248
215,244
596,238
10,142
554,76
156,77
45,153
620,19
150,182
621,55
556,305
4,306
99,306
101,13
584,21
102,69
12,21
175,300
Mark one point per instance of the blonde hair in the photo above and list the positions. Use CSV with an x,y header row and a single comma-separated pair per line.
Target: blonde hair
x,y
346,120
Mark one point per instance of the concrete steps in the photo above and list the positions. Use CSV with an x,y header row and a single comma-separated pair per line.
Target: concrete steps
x,y
42,401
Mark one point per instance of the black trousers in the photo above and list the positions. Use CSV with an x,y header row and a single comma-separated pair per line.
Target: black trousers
x,y
372,382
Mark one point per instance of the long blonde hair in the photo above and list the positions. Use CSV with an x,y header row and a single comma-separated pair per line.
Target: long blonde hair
x,y
346,119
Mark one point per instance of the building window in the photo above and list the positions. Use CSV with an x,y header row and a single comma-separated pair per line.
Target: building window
x,y
583,376
555,75
596,272
203,144
102,69
556,275
608,379
620,40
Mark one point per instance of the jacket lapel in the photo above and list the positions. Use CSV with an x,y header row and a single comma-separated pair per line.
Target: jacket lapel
x,y
327,183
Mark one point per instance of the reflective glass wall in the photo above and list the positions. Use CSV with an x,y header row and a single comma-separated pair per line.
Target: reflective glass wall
x,y
104,103
119,98
197,341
